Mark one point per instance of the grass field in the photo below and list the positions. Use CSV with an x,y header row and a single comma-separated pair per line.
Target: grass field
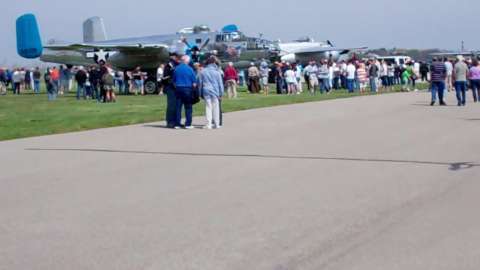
x,y
30,115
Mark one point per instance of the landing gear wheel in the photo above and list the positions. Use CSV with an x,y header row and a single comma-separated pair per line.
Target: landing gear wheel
x,y
150,87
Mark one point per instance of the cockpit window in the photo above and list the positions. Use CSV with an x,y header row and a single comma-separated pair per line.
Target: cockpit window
x,y
229,37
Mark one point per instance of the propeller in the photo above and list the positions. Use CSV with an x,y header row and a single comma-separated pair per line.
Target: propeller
x,y
201,48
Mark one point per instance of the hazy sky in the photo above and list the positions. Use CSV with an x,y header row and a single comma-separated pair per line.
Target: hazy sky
x,y
374,23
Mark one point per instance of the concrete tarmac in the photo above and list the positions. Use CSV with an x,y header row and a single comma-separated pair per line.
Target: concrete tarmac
x,y
377,182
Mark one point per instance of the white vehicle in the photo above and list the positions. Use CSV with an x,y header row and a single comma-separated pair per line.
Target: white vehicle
x,y
397,59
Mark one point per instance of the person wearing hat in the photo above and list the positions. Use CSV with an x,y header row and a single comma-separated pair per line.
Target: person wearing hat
x,y
253,78
169,89
264,73
460,72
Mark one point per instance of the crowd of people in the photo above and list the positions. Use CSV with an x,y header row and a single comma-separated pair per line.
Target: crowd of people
x,y
458,76
184,81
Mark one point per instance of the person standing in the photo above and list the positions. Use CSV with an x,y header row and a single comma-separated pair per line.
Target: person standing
x,y
160,73
264,73
37,75
3,82
108,84
299,74
81,78
138,81
291,80
231,80
474,76
61,80
424,71
120,81
438,76
185,83
253,78
407,75
169,88
351,71
210,84
311,71
27,79
416,71
460,72
17,81
373,76
391,75
362,77
384,75
94,78
50,84
323,78
278,77
449,76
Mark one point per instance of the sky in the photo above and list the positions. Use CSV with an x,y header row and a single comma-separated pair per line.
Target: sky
x,y
347,23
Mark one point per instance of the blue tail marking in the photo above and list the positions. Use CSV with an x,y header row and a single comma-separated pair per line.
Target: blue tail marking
x,y
29,44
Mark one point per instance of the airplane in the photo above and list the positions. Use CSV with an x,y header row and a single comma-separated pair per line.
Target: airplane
x,y
462,52
469,54
305,49
229,45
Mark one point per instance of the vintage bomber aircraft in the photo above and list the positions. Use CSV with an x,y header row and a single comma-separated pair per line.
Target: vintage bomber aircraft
x,y
229,44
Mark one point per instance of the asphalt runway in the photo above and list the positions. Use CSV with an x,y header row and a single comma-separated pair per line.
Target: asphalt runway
x,y
378,182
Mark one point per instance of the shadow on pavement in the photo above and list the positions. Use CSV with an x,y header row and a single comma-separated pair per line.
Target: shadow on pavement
x,y
453,166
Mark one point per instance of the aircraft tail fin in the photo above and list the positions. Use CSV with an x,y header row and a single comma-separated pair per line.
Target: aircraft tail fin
x,y
94,30
29,43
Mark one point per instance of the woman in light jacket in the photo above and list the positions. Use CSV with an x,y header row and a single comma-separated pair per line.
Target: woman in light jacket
x,y
210,83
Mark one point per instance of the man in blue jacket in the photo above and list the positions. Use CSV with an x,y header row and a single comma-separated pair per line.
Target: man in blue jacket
x,y
185,83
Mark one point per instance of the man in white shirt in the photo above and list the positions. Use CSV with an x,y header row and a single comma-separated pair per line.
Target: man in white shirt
x,y
350,77
17,79
312,72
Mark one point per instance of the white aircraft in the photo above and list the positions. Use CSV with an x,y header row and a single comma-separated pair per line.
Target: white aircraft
x,y
306,49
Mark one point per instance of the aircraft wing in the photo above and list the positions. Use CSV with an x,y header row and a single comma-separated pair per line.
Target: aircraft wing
x,y
321,49
453,54
122,48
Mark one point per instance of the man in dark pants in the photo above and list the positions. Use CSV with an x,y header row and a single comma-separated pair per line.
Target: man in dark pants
x,y
169,88
94,78
439,74
185,83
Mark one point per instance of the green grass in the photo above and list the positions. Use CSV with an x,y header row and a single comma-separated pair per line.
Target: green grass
x,y
30,115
